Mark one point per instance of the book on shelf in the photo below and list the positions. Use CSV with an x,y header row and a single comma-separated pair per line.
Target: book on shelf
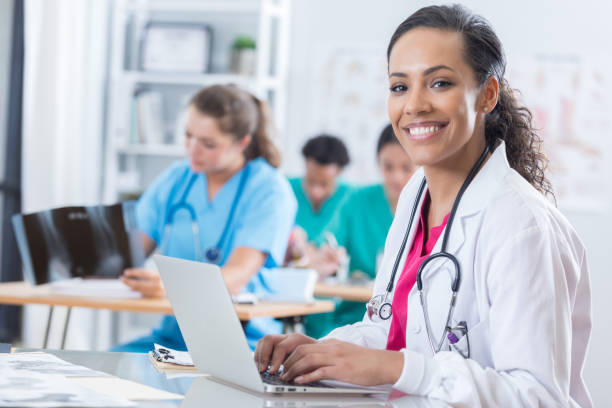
x,y
147,125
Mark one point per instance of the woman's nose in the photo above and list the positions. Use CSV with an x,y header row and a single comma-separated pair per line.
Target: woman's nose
x,y
416,101
192,145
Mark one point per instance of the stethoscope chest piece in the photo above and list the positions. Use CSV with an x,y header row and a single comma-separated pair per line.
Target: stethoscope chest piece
x,y
213,255
379,308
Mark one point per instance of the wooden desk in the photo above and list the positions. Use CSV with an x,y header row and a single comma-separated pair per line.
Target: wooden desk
x,y
22,293
344,291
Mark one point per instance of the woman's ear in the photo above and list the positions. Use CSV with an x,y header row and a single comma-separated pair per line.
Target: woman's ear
x,y
489,95
245,142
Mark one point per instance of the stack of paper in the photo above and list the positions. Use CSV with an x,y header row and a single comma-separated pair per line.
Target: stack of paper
x,y
44,380
41,379
169,359
21,388
45,363
94,287
289,284
172,363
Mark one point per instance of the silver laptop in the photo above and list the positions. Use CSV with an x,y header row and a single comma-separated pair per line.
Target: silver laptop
x,y
213,334
210,392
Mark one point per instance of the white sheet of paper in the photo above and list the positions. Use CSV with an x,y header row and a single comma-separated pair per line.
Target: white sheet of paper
x,y
178,357
120,388
113,288
45,363
25,388
170,375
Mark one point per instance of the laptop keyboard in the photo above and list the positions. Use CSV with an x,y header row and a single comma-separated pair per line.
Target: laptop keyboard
x,y
274,379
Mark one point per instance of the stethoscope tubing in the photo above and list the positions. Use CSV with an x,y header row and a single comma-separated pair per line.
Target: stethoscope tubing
x,y
182,204
442,254
398,258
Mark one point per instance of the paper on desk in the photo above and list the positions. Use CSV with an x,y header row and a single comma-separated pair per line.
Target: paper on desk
x,y
172,374
289,284
45,363
120,388
25,388
181,358
94,287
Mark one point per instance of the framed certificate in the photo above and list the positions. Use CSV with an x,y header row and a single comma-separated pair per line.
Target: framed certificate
x,y
175,47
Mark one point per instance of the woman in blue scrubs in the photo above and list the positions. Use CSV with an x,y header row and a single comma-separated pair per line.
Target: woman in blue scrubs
x,y
225,204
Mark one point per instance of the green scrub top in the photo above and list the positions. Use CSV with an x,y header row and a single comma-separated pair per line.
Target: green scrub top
x,y
314,222
361,226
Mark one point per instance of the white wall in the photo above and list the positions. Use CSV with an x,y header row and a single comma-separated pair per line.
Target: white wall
x,y
65,54
525,28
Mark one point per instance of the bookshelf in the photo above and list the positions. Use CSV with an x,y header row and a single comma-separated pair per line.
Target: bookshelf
x,y
144,108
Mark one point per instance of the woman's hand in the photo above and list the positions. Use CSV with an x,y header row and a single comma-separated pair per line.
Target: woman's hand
x,y
342,361
326,260
146,281
274,348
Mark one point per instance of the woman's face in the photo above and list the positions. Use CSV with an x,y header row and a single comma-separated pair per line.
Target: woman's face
x,y
434,97
396,169
209,149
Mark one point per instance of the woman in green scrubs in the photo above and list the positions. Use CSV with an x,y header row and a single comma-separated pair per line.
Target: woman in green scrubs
x,y
360,226
319,193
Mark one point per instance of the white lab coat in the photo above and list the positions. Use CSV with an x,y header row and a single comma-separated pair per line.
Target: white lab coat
x,y
524,294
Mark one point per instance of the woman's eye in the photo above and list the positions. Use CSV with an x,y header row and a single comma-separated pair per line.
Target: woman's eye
x,y
398,88
442,84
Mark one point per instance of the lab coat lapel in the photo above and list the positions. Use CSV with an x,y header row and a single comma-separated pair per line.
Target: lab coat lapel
x,y
475,198
439,274
403,220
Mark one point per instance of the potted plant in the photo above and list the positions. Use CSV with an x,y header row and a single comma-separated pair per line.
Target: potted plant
x,y
243,56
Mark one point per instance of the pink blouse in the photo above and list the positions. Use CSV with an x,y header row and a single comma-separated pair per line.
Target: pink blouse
x,y
418,252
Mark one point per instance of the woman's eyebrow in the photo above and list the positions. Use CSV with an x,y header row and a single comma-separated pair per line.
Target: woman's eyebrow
x,y
437,68
425,73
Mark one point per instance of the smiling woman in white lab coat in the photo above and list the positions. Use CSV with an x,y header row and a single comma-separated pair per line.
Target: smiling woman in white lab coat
x,y
521,321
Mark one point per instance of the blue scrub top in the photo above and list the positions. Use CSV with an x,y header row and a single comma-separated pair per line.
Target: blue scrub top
x,y
263,219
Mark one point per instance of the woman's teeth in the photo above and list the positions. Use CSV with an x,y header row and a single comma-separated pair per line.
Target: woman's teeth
x,y
424,130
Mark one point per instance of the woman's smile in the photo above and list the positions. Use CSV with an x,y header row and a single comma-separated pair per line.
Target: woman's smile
x,y
419,131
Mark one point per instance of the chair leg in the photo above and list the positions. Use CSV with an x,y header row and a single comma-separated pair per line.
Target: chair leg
x,y
66,327
46,340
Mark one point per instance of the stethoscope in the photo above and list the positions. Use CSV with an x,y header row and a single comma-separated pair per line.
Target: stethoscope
x,y
379,307
214,254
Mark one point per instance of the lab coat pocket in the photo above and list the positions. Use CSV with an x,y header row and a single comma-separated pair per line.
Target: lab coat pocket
x,y
476,341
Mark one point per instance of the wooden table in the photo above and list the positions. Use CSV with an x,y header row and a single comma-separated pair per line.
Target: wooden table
x,y
357,293
22,293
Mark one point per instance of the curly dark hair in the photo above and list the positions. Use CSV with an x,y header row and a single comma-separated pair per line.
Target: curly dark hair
x,y
509,121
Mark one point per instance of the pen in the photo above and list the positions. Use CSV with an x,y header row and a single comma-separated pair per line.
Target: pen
x,y
330,239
